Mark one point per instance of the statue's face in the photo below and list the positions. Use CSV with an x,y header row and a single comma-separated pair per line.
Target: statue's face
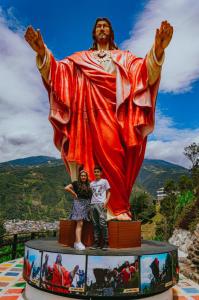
x,y
102,32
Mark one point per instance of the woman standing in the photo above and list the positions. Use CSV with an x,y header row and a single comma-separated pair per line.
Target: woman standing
x,y
82,194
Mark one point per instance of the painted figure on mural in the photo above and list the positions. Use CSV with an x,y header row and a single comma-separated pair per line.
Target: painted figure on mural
x,y
102,104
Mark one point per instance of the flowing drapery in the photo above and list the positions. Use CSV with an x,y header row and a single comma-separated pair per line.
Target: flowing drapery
x,y
103,119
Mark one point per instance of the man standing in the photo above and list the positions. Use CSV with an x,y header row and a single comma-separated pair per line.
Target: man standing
x,y
102,104
99,201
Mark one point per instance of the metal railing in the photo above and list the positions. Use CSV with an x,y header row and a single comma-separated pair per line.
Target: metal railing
x,y
12,245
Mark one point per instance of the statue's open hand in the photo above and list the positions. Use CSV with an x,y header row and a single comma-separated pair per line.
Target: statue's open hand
x,y
35,40
163,35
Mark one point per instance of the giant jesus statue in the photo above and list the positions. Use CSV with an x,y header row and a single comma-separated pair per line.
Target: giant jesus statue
x,y
102,105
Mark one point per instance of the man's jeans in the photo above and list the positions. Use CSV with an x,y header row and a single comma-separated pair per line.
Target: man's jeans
x,y
98,217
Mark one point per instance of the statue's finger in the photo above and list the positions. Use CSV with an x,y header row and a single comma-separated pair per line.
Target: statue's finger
x,y
28,39
39,35
166,25
27,31
29,36
161,28
157,32
170,31
30,29
30,33
163,24
157,36
166,29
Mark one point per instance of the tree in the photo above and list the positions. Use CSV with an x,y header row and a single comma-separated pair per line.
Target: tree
x,y
185,184
170,187
142,206
192,153
168,205
2,227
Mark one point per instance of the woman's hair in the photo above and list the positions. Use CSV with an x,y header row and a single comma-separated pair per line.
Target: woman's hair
x,y
83,186
79,177
112,45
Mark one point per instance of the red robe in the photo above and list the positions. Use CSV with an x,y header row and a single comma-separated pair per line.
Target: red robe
x,y
127,273
60,277
27,268
103,119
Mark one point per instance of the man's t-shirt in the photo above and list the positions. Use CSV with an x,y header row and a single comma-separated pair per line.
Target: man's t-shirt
x,y
99,188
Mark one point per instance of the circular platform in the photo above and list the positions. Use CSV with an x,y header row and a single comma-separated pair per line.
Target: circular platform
x,y
130,273
35,294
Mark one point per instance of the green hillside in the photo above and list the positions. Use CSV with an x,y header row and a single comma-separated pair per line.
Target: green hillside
x,y
33,187
154,174
34,192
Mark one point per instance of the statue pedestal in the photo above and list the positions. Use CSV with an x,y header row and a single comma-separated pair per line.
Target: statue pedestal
x,y
122,234
34,294
54,271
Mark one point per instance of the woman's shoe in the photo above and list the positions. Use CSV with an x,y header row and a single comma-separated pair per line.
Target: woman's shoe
x,y
83,245
79,246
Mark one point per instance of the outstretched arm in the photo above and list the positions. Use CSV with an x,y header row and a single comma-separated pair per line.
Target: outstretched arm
x,y
162,38
155,57
35,40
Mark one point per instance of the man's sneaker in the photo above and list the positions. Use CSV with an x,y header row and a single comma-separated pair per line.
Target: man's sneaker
x,y
79,246
95,246
105,246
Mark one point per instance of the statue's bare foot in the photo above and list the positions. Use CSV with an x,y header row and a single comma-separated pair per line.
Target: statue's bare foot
x,y
123,217
120,217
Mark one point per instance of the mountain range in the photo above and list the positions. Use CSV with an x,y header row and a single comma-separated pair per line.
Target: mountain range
x,y
33,187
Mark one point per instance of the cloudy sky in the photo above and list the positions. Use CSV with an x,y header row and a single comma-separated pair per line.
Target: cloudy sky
x,y
66,27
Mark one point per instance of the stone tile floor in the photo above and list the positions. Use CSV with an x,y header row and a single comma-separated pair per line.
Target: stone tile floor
x,y
186,289
12,284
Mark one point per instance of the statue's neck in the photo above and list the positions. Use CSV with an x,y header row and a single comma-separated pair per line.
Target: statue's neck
x,y
103,46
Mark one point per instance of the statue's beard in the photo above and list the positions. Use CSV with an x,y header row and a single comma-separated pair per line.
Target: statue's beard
x,y
102,37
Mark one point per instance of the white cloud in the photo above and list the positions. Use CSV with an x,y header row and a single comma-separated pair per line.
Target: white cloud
x,y
24,127
181,67
167,142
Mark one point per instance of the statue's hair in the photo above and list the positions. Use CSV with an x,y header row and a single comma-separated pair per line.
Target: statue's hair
x,y
112,44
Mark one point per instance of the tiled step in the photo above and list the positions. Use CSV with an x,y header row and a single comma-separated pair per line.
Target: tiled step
x,y
11,282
